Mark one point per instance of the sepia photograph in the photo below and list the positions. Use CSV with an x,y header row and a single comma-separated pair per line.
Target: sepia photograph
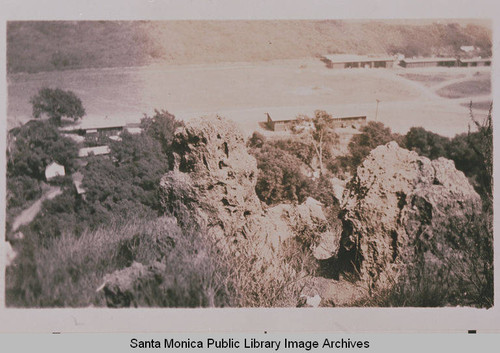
x,y
249,163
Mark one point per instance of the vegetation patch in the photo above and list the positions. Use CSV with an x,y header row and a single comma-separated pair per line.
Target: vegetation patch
x,y
474,87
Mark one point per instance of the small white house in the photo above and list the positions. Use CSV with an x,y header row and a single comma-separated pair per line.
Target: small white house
x,y
53,170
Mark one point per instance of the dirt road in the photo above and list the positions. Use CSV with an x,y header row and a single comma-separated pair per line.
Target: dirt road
x,y
26,216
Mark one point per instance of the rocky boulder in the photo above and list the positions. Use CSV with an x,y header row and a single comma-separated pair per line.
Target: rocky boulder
x,y
122,287
397,209
213,178
305,222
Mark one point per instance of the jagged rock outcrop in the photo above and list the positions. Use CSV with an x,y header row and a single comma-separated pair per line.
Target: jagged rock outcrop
x,y
213,181
213,178
305,222
397,209
122,286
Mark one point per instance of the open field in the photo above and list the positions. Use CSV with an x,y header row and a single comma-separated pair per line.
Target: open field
x,y
244,92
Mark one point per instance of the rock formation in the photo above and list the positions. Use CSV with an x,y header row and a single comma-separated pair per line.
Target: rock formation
x,y
397,208
213,178
122,287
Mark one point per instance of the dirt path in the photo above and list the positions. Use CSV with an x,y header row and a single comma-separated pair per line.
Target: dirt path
x,y
26,216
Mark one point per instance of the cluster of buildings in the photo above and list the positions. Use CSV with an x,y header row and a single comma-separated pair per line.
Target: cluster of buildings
x,y
343,61
90,132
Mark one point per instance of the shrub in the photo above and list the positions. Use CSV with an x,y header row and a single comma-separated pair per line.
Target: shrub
x,y
372,135
37,144
426,143
68,270
161,127
281,178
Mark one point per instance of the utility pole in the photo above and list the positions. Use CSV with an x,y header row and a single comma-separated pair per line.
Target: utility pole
x,y
376,110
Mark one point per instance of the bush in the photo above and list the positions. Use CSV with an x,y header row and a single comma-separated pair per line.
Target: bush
x,y
198,273
37,144
372,135
280,178
68,270
161,127
426,143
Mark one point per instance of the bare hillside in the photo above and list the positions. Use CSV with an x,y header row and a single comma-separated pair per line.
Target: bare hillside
x,y
44,46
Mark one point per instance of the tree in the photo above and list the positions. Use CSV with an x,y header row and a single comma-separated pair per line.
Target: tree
x,y
319,133
161,127
426,143
372,135
36,145
57,103
482,144
280,178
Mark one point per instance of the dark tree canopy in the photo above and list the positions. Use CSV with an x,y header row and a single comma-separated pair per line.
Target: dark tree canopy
x,y
372,135
57,103
426,143
36,145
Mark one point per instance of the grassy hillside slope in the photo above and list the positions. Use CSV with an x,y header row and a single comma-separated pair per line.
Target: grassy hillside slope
x,y
45,46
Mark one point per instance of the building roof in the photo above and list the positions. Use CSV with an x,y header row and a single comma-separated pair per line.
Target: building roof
x,y
94,122
428,60
54,169
344,58
474,60
96,151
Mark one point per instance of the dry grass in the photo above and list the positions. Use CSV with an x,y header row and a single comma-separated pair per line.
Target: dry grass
x,y
56,45
66,271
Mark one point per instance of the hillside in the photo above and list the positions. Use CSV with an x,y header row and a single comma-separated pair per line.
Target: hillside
x,y
46,46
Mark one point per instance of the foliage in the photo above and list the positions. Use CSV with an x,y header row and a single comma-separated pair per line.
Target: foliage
x,y
257,140
199,273
296,147
482,144
161,127
36,145
67,271
372,135
280,177
57,103
426,143
21,190
318,132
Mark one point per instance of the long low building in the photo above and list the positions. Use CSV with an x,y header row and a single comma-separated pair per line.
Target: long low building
x,y
347,61
429,62
473,62
341,122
